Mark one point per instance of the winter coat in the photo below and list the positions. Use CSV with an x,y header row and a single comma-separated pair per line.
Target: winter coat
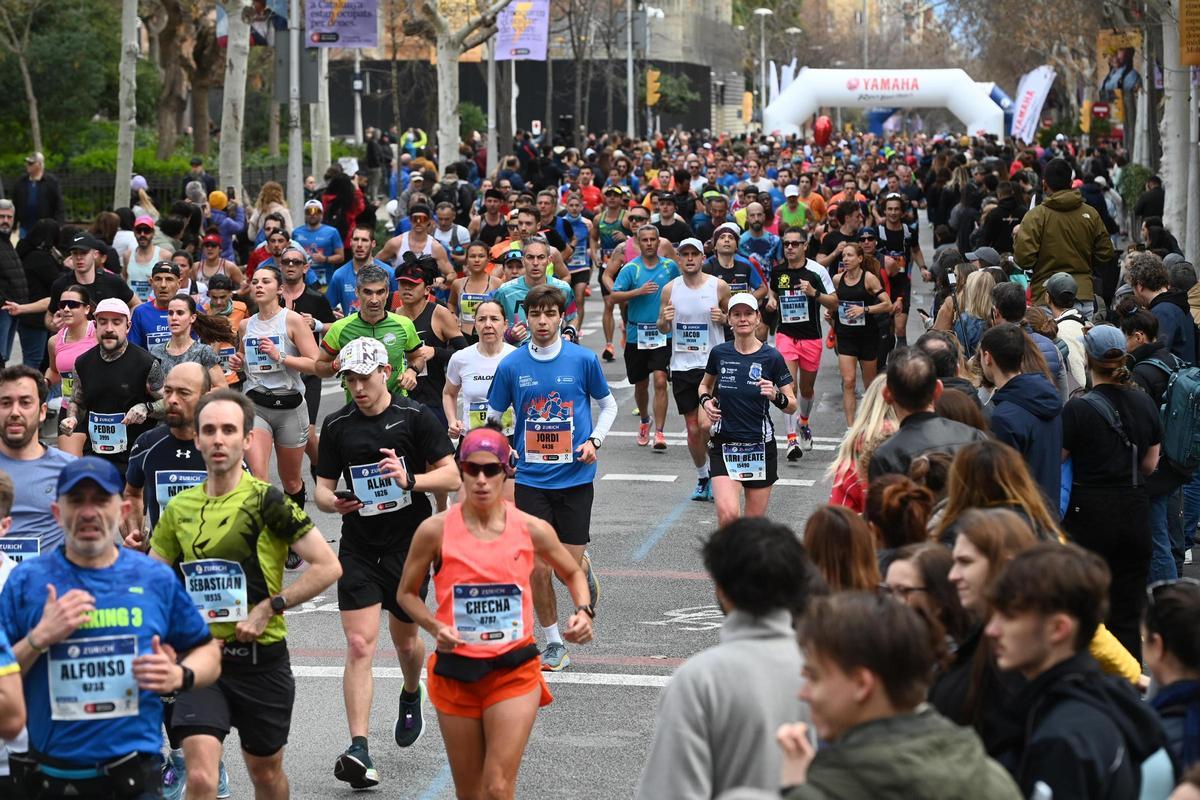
x,y
1026,416
1063,234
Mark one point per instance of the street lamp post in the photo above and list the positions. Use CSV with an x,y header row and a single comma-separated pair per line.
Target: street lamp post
x,y
762,14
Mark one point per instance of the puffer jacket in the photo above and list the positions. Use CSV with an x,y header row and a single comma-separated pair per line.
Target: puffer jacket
x,y
1063,234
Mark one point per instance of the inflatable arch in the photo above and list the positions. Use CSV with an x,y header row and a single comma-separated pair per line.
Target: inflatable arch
x,y
952,89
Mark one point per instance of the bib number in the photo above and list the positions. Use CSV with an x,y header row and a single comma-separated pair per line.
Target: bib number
x,y
745,462
141,289
20,548
170,482
734,288
258,362
549,442
488,613
93,679
157,338
467,303
649,337
843,313
793,307
691,337
107,433
477,415
217,588
68,385
378,494
579,259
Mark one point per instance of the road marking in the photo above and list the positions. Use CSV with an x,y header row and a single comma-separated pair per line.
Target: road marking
x,y
624,476
695,618
621,384
437,785
583,678
794,482
680,438
661,529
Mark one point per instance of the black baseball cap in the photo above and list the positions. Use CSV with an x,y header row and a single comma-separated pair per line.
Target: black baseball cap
x,y
84,241
169,267
411,273
867,232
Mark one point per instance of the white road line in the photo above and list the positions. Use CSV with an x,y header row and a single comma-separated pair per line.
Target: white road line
x,y
585,678
794,482
623,476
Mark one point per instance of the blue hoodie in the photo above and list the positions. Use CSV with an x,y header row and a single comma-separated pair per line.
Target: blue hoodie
x,y
1026,416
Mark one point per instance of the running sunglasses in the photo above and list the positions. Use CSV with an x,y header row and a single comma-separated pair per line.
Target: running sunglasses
x,y
489,470
793,243
71,304
292,262
143,229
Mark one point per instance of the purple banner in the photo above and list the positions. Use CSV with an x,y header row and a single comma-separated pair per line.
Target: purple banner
x,y
341,23
522,30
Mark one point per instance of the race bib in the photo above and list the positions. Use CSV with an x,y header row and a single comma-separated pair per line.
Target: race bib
x,y
141,289
844,306
170,482
19,548
579,259
93,679
378,494
68,385
691,337
217,588
477,415
734,288
467,303
793,307
107,433
745,462
157,338
549,441
258,362
224,353
649,337
488,613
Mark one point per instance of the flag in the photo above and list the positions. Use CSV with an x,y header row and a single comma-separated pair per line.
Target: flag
x,y
1032,92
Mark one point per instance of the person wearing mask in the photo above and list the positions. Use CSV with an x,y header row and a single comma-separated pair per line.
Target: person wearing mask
x,y
707,739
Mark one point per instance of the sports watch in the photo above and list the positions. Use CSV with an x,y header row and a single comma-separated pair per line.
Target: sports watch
x,y
596,441
278,604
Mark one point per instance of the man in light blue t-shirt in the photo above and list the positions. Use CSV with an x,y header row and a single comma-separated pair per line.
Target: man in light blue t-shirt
x,y
647,349
511,296
322,242
342,293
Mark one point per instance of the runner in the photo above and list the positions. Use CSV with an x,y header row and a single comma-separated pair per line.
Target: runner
x,y
188,329
342,294
439,332
855,301
900,248
490,226
76,335
232,532
483,679
647,349
117,388
608,231
137,272
512,295
420,242
322,243
222,306
556,443
693,309
391,452
92,608
580,263
12,696
450,235
276,348
472,289
101,284
212,264
796,282
148,322
745,374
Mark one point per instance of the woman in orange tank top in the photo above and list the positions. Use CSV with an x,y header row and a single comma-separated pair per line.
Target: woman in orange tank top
x,y
485,678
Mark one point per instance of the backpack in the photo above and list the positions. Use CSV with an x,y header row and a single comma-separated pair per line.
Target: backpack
x,y
1180,414
1106,410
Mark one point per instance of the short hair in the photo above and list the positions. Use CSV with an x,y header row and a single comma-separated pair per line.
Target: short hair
x,y
646,227
845,209
1057,174
275,216
528,211
6,489
371,273
538,239
368,228
1009,301
760,566
1137,319
6,205
17,372
942,347
1005,343
546,296
446,205
1055,578
237,398
1173,612
1146,269
1183,277
860,630
911,379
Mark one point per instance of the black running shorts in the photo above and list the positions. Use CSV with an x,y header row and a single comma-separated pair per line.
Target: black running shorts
x,y
568,510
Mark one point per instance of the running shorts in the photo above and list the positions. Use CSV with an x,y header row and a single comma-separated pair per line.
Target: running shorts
x,y
686,388
640,363
806,352
579,276
568,510
370,579
287,426
901,289
716,466
461,699
864,348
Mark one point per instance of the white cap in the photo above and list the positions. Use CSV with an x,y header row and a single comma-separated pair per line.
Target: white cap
x,y
743,299
732,227
111,306
791,190
314,203
364,355
691,242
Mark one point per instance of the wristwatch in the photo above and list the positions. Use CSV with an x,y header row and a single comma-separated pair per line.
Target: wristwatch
x,y
596,441
278,604
189,679
587,609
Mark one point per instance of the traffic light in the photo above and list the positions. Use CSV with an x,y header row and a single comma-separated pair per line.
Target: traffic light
x,y
652,86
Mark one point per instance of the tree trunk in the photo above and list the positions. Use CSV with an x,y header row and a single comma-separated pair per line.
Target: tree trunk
x,y
394,32
447,105
35,124
1175,127
172,96
126,103
234,106
319,114
273,130
504,124
200,118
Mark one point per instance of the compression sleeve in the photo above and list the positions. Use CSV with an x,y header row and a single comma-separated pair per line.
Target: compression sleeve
x,y
608,415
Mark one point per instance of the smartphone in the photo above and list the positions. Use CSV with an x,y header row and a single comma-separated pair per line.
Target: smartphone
x,y
345,494
229,192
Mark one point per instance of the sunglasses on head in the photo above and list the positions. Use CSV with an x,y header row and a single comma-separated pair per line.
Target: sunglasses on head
x,y
292,262
72,304
490,470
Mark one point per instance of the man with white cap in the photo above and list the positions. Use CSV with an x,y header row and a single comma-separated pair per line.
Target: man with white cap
x,y
322,242
793,213
693,311
117,387
391,451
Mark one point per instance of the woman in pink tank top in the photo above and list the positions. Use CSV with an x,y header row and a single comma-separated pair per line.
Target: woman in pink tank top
x,y
76,336
485,674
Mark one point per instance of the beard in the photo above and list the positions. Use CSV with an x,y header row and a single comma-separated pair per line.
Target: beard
x,y
17,442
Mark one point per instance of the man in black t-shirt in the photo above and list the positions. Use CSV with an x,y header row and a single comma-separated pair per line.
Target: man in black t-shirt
x,y
82,255
671,226
849,219
391,451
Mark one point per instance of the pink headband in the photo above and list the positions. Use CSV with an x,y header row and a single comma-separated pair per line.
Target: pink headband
x,y
485,440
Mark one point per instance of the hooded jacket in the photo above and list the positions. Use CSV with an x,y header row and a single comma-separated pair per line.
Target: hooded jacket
x,y
1093,194
1026,416
1176,329
1084,735
1063,234
996,231
921,754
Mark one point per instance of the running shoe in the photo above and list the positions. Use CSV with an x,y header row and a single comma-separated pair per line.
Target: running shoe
x,y
555,658
222,783
794,453
806,437
592,581
174,776
410,723
831,340
356,768
660,441
703,490
293,560
1187,557
643,437
608,354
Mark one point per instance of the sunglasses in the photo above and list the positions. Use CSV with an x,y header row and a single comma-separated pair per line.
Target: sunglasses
x,y
415,218
71,304
473,470
793,244
143,229
637,218
292,262
211,244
